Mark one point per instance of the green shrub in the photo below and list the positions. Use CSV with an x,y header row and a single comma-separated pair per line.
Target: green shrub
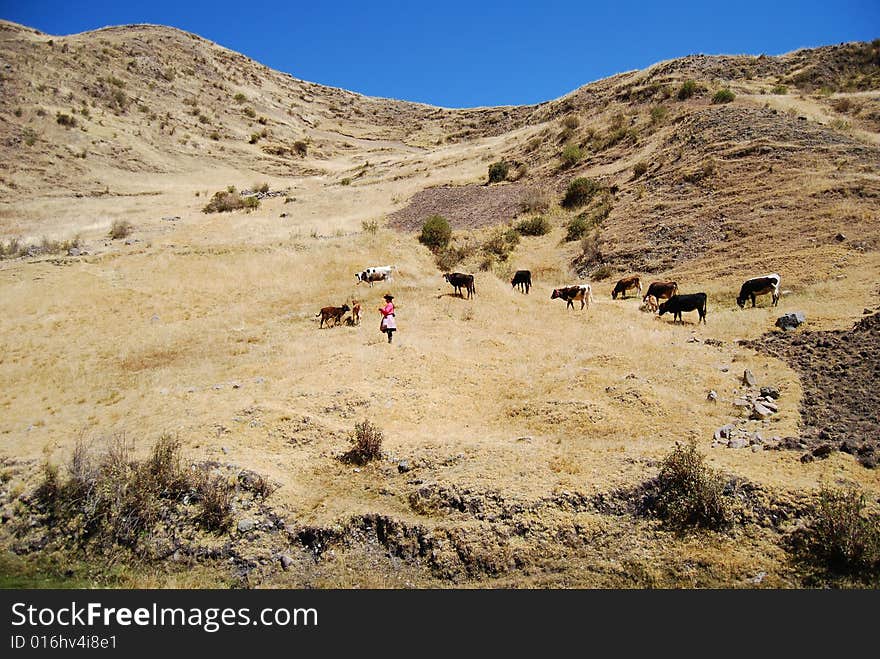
x,y
436,233
256,137
779,90
579,192
501,243
601,273
249,112
690,494
723,96
239,98
841,537
366,444
534,226
577,227
345,181
571,155
370,226
687,89
639,169
498,171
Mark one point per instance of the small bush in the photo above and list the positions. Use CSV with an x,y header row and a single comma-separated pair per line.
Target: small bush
x,y
300,148
370,226
498,171
366,444
226,200
571,155
256,137
690,494
639,169
535,201
723,96
534,226
239,98
17,112
215,494
841,537
249,112
579,192
577,228
214,135
260,187
658,114
65,120
687,89
571,121
842,105
601,273
779,90
501,243
120,229
436,233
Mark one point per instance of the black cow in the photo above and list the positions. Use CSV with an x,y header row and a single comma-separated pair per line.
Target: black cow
x,y
523,279
759,286
461,280
678,303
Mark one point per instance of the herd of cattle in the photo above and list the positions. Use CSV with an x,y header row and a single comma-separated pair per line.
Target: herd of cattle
x,y
674,302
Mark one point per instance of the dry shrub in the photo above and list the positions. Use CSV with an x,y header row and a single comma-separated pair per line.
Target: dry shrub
x,y
230,200
580,191
690,494
841,537
498,171
214,493
366,444
535,201
534,226
639,169
120,229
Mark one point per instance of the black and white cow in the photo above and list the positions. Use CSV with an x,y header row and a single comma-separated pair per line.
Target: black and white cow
x,y
377,273
759,286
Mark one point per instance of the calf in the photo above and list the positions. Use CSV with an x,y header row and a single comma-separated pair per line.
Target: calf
x,y
461,280
523,279
355,312
336,313
582,292
626,284
649,304
690,302
662,290
759,286
378,273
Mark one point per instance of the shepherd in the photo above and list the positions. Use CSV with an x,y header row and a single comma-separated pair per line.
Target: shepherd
x,y
388,324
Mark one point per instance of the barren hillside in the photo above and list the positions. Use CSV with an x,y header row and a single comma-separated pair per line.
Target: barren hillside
x,y
522,440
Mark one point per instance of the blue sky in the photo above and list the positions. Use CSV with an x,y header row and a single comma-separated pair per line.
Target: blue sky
x,y
472,53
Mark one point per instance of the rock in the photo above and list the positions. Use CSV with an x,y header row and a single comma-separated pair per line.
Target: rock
x,y
749,378
712,396
760,412
823,451
849,446
807,458
737,442
865,312
757,438
217,387
741,402
236,385
171,218
770,405
770,392
840,237
758,578
286,561
283,215
791,321
724,432
246,525
757,448
74,251
403,467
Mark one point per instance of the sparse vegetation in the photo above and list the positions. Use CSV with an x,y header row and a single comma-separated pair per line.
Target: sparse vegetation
x,y
345,181
639,169
723,96
436,233
842,538
239,98
535,201
65,120
571,155
501,243
658,114
579,192
366,444
779,90
689,493
571,122
230,200
120,229
498,171
688,88
534,226
300,148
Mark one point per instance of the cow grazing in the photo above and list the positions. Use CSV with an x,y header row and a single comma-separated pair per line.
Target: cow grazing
x,y
582,292
759,286
679,303
523,279
336,313
460,280
626,284
377,273
662,290
649,304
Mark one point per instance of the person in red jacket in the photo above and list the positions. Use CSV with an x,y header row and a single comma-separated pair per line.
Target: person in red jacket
x,y
388,324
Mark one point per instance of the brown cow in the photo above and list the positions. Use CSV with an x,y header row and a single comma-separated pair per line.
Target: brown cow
x,y
336,313
662,290
626,284
355,312
649,304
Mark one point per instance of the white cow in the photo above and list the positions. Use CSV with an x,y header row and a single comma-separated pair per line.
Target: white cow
x,y
377,273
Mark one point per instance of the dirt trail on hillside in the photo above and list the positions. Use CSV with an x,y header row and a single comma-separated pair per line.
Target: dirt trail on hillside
x,y
841,404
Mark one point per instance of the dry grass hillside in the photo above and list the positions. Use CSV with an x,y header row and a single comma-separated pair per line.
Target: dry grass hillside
x,y
524,444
